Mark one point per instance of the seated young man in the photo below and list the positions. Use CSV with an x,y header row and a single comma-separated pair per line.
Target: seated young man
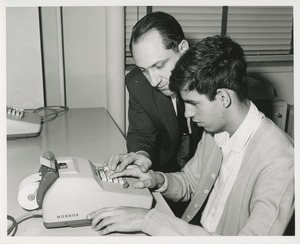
x,y
241,178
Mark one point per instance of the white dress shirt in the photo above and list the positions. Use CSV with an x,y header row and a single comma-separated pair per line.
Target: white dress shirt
x,y
233,150
173,98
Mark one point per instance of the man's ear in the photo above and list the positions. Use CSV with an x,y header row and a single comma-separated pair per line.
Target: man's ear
x,y
183,46
224,97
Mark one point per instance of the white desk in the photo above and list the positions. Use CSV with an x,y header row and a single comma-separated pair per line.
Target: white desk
x,y
88,133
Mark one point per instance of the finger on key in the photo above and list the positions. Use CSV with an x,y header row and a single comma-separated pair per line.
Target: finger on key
x,y
125,161
133,172
114,162
145,166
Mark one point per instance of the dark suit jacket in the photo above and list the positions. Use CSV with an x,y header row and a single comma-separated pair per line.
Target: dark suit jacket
x,y
153,125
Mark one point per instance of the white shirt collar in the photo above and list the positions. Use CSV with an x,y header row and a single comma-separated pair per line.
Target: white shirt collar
x,y
240,137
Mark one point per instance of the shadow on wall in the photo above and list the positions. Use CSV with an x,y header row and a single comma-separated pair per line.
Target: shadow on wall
x,y
262,94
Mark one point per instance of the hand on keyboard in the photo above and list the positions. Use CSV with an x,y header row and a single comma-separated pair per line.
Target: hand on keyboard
x,y
145,180
104,172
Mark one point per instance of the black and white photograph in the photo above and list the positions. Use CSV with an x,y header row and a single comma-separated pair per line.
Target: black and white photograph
x,y
149,122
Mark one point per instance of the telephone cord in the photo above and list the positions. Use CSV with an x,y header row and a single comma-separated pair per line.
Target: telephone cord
x,y
13,226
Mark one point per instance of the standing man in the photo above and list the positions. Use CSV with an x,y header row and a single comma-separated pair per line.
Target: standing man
x,y
157,126
243,166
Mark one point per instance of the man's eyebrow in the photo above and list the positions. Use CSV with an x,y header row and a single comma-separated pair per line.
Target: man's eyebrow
x,y
190,101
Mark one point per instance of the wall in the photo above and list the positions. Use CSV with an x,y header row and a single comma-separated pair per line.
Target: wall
x,y
82,67
85,56
24,79
115,65
74,53
53,59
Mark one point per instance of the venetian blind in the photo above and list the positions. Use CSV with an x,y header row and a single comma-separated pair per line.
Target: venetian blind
x,y
132,15
197,22
261,31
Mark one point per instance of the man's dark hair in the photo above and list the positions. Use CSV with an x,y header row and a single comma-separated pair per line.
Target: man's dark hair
x,y
168,27
213,63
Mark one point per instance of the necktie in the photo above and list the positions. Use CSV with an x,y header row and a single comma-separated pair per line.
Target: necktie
x,y
182,121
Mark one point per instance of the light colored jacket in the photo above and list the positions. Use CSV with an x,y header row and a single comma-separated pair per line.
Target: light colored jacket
x,y
261,201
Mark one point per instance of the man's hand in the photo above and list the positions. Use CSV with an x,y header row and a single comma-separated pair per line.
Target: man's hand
x,y
121,219
119,162
149,180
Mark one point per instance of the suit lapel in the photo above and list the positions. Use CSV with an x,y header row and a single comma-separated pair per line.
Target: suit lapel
x,y
156,102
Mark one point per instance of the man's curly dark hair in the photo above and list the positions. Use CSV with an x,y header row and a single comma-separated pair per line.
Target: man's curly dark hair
x,y
212,63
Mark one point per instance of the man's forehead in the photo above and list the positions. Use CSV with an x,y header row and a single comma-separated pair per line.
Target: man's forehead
x,y
150,35
148,54
192,95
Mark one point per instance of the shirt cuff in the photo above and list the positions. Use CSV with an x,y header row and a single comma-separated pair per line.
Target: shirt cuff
x,y
164,187
143,153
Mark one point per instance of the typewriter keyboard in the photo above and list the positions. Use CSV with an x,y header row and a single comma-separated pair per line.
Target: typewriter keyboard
x,y
102,173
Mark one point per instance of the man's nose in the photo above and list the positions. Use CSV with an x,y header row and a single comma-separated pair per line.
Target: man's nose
x,y
155,78
189,111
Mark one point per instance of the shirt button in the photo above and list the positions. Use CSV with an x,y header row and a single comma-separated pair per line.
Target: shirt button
x,y
196,205
188,217
213,175
206,191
